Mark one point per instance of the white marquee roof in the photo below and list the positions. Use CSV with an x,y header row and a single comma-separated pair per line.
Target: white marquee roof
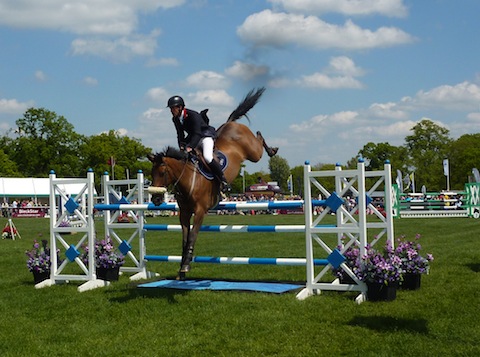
x,y
33,187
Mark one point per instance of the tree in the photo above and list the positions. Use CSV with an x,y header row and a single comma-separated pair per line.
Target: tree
x,y
44,142
297,178
128,155
427,147
464,155
250,179
279,171
8,168
378,154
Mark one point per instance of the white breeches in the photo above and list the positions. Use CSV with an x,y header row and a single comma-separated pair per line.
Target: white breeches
x,y
206,144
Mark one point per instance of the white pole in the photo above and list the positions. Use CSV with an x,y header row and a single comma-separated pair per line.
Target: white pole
x,y
446,172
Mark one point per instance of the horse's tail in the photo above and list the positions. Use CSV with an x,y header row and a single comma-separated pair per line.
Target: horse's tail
x,y
247,103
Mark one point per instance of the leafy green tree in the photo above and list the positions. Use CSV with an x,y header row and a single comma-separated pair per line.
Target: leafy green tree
x,y
8,168
378,154
327,182
107,151
427,147
279,171
297,178
45,141
464,155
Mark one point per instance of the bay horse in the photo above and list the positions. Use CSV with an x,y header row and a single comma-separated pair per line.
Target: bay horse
x,y
196,194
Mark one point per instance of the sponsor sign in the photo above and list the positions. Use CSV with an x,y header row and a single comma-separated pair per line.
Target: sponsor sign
x,y
28,212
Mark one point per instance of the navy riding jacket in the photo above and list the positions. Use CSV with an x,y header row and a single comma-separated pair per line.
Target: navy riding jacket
x,y
195,127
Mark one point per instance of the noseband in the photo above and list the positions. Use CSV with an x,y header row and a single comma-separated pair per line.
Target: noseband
x,y
166,175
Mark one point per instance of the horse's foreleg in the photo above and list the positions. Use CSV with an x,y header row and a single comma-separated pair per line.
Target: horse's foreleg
x,y
271,151
185,223
190,245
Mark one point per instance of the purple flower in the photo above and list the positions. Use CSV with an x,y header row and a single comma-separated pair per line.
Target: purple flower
x,y
105,254
409,253
38,258
384,266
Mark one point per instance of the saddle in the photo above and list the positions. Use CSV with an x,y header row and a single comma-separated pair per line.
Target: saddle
x,y
197,159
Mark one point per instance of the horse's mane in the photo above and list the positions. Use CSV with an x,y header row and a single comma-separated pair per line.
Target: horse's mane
x,y
170,151
247,103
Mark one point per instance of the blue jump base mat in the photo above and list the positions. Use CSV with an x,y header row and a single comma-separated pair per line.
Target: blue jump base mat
x,y
206,284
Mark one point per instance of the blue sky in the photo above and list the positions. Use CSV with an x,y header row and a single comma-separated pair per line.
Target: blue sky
x,y
338,73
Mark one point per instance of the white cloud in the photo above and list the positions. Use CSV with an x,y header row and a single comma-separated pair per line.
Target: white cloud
x,y
391,121
152,113
108,28
271,29
90,81
118,49
13,106
316,124
279,82
246,71
158,94
320,80
387,110
345,65
391,8
40,76
155,129
211,98
474,117
93,17
208,80
340,73
166,61
462,96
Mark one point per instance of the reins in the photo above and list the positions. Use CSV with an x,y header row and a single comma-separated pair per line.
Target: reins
x,y
192,185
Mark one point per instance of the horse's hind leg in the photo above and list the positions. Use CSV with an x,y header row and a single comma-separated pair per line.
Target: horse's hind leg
x,y
271,151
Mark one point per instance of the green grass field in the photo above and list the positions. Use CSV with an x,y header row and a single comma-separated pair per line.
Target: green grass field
x,y
440,319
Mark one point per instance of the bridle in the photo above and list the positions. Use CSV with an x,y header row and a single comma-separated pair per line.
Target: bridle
x,y
175,184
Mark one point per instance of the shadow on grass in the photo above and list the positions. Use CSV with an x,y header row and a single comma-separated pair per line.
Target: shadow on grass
x,y
475,267
389,324
132,291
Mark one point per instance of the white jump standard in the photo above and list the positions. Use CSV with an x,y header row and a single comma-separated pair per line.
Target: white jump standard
x,y
351,226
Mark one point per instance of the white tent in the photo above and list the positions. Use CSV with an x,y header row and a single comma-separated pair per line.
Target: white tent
x,y
32,187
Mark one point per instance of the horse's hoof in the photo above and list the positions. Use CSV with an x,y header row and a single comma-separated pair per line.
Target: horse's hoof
x,y
181,276
272,152
184,268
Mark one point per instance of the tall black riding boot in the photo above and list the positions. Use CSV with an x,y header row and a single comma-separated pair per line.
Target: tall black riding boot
x,y
218,173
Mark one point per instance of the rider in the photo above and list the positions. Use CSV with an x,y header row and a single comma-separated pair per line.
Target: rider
x,y
199,134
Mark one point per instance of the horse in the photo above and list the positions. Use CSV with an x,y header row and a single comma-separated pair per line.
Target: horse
x,y
195,194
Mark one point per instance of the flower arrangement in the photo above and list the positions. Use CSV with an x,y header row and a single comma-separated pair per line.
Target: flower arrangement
x,y
65,223
39,257
383,267
388,265
411,260
352,254
9,232
106,255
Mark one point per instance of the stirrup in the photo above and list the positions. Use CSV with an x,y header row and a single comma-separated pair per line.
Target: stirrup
x,y
225,186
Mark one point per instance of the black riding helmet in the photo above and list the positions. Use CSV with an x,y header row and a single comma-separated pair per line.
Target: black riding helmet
x,y
175,101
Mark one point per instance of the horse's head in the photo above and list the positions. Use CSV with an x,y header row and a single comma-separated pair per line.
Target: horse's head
x,y
162,176
160,179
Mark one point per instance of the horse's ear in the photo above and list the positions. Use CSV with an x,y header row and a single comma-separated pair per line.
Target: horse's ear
x,y
151,157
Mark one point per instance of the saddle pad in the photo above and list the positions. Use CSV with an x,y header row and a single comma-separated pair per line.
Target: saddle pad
x,y
205,171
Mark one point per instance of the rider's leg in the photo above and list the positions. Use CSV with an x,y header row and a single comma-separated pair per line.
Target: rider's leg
x,y
207,149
